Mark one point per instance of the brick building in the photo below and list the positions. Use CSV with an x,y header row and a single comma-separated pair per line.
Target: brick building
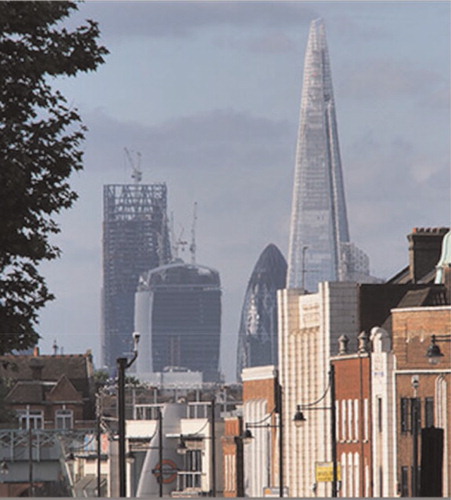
x,y
353,408
423,401
50,391
232,447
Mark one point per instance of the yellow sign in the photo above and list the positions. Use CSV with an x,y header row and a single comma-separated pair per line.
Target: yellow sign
x,y
324,472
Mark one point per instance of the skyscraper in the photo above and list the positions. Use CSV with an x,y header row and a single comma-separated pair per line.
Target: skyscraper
x,y
319,236
178,313
135,239
257,337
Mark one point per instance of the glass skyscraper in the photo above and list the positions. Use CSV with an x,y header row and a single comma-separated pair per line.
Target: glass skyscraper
x,y
257,337
319,248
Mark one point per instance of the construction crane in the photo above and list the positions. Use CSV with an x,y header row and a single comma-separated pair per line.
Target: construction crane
x,y
192,247
136,166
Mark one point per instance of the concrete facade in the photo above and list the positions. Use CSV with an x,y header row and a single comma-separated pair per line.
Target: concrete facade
x,y
310,326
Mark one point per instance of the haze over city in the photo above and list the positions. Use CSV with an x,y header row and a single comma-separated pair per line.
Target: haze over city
x,y
209,94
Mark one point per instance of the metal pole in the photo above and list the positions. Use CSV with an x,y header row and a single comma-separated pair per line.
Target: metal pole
x,y
213,448
333,431
414,402
121,365
280,442
30,460
99,447
160,450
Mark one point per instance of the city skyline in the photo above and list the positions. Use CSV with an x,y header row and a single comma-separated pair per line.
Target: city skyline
x,y
209,94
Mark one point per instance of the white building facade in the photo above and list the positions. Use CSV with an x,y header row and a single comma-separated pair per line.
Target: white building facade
x,y
310,326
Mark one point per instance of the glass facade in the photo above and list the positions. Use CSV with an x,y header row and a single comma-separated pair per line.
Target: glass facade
x,y
257,337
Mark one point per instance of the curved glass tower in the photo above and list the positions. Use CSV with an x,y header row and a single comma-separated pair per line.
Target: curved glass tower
x,y
257,337
319,223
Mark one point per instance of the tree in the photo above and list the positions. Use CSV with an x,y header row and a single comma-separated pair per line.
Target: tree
x,y
40,138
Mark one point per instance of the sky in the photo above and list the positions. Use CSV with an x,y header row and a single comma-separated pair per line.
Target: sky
x,y
209,94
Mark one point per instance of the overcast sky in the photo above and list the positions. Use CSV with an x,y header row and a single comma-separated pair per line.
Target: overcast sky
x,y
209,94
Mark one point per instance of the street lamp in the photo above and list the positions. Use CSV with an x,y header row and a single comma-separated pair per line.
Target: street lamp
x,y
247,436
434,353
299,419
122,365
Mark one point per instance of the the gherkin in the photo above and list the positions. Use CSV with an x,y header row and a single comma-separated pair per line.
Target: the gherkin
x,y
257,340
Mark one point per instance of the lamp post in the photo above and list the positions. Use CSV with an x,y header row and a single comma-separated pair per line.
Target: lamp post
x,y
299,419
434,353
247,436
122,365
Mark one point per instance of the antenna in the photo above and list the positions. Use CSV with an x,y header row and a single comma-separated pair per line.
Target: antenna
x,y
136,166
192,247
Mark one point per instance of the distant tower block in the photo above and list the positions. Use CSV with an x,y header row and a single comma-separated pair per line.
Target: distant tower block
x,y
178,313
135,239
318,218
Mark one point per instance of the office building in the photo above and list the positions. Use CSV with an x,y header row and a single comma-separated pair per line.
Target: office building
x,y
319,248
178,313
257,337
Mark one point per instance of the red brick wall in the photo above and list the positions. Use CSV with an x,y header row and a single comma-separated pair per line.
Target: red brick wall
x,y
352,381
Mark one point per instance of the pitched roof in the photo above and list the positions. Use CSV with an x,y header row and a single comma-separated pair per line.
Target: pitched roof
x,y
78,368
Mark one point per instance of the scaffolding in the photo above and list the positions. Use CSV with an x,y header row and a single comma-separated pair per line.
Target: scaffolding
x,y
135,239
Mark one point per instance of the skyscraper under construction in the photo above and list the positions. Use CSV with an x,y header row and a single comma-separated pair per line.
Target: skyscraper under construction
x,y
135,239
320,248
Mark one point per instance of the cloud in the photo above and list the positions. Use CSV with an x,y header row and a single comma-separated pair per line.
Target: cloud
x,y
181,19
388,78
220,139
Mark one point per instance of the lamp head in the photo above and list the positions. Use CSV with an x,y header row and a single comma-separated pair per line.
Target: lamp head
x,y
136,337
247,436
298,418
434,354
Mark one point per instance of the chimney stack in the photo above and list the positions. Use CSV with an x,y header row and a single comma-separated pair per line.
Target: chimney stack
x,y
425,245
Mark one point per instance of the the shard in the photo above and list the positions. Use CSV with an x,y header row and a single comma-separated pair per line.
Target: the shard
x,y
257,337
319,234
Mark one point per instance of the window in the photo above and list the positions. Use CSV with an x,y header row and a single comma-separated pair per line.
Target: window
x,y
350,420
404,481
343,420
379,414
404,414
356,420
429,412
415,480
30,419
366,420
415,415
193,460
64,419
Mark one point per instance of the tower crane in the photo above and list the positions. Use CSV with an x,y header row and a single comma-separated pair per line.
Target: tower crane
x,y
136,166
192,247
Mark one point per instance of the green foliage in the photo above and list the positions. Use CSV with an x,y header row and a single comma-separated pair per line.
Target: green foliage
x,y
101,378
40,137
